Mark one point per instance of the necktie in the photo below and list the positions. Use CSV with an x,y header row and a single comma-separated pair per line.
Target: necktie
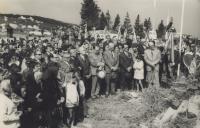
x,y
152,54
83,57
113,55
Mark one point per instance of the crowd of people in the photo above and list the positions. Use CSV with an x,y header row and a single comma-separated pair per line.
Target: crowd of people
x,y
47,82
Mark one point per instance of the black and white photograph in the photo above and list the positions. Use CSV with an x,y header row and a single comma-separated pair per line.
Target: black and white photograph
x,y
99,63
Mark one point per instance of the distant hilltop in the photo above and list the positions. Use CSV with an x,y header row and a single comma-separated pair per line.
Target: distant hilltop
x,y
35,22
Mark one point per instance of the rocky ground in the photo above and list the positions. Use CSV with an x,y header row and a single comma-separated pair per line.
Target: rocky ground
x,y
118,111
181,109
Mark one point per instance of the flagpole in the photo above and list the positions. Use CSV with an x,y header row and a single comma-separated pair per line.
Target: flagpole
x,y
181,33
119,32
155,6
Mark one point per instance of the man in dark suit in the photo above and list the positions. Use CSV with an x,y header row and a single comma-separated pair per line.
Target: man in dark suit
x,y
83,64
111,67
125,65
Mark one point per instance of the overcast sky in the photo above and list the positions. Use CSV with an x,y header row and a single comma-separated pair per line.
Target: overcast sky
x,y
69,10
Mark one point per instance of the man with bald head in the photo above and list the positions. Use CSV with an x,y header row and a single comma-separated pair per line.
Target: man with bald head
x,y
111,67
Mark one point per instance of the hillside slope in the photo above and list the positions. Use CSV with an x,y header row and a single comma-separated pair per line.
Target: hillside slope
x,y
28,20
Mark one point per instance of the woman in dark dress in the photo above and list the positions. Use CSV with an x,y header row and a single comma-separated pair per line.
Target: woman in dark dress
x,y
52,95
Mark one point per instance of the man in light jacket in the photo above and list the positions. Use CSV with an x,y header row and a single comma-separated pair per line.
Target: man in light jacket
x,y
152,57
97,64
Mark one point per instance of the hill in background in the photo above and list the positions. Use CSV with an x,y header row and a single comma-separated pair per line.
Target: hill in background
x,y
23,21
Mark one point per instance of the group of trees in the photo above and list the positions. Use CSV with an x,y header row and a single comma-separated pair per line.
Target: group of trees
x,y
94,17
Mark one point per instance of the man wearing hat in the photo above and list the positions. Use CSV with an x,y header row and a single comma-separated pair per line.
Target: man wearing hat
x,y
152,57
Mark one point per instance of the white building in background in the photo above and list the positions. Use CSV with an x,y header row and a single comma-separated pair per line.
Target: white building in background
x,y
35,33
29,27
5,18
3,27
22,17
14,26
47,33
31,19
23,26
36,27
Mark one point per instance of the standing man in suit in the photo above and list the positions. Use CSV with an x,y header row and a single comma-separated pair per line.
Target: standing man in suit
x,y
111,67
83,64
97,64
125,65
152,57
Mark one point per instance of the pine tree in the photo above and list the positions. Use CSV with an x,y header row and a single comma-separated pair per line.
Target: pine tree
x,y
127,23
116,23
139,27
90,13
141,31
147,25
102,22
108,19
161,30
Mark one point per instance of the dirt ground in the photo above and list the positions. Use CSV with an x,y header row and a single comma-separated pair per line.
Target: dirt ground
x,y
118,111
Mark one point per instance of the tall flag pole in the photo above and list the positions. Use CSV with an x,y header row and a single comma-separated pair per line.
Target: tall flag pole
x,y
167,22
79,34
172,48
167,16
86,31
155,6
105,30
134,36
181,33
155,3
119,32
125,33
94,33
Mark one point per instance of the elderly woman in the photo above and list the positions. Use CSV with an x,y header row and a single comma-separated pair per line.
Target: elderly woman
x,y
9,117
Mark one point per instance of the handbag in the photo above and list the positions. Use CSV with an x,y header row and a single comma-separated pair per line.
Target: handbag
x,y
101,73
114,74
128,75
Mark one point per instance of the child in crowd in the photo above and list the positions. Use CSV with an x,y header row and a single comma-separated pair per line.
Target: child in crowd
x,y
72,99
138,66
75,92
